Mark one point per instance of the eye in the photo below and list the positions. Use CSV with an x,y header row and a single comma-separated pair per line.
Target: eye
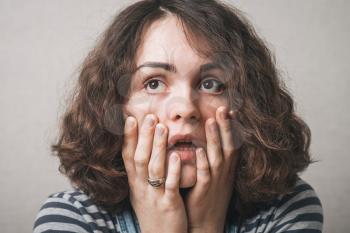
x,y
212,86
154,86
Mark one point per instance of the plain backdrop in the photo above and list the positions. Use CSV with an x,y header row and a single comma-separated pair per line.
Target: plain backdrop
x,y
43,42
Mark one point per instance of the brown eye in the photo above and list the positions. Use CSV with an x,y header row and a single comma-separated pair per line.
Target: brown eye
x,y
154,86
212,86
208,84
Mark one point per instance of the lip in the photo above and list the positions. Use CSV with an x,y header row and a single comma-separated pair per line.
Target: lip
x,y
181,137
186,155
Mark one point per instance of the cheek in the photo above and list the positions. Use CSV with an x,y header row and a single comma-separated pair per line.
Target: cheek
x,y
140,107
208,106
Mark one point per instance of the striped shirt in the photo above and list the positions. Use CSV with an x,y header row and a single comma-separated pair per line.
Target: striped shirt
x,y
72,211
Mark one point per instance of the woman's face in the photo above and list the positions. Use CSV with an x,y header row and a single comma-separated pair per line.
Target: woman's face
x,y
178,86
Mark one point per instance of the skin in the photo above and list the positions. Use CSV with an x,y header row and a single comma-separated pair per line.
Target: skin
x,y
165,102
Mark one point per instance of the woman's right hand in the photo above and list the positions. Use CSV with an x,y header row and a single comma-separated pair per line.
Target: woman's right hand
x,y
158,209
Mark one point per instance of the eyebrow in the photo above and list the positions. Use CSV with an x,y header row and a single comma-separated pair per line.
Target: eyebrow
x,y
170,67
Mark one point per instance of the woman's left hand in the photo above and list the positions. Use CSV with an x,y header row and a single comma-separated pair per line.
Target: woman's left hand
x,y
207,202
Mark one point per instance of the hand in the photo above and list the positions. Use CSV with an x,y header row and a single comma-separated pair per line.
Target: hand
x,y
208,201
158,209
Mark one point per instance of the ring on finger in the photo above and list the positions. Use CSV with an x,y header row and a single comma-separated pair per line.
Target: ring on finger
x,y
157,182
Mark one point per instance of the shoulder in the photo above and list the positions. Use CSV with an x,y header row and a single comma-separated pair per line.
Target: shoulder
x,y
298,211
73,211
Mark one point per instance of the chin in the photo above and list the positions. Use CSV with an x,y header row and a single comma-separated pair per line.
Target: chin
x,y
188,175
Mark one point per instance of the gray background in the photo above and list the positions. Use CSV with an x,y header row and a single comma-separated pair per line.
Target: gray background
x,y
43,42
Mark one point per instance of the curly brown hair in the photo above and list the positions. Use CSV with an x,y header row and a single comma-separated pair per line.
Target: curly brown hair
x,y
275,140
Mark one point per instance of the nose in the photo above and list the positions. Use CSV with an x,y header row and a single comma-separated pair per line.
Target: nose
x,y
183,108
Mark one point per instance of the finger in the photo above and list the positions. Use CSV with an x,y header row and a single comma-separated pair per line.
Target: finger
x,y
232,114
144,147
156,166
226,136
237,136
214,152
203,173
129,145
172,182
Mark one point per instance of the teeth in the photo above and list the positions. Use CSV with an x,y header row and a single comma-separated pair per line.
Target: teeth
x,y
184,147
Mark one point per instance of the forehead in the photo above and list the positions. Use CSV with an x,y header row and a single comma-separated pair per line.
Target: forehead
x,y
165,41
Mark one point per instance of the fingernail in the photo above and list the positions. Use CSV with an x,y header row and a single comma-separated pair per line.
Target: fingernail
x,y
130,122
231,113
173,158
200,152
150,120
212,126
223,113
159,129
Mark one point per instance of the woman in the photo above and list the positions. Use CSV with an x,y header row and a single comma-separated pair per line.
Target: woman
x,y
181,124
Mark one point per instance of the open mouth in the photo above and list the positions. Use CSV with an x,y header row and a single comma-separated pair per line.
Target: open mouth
x,y
185,149
183,146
